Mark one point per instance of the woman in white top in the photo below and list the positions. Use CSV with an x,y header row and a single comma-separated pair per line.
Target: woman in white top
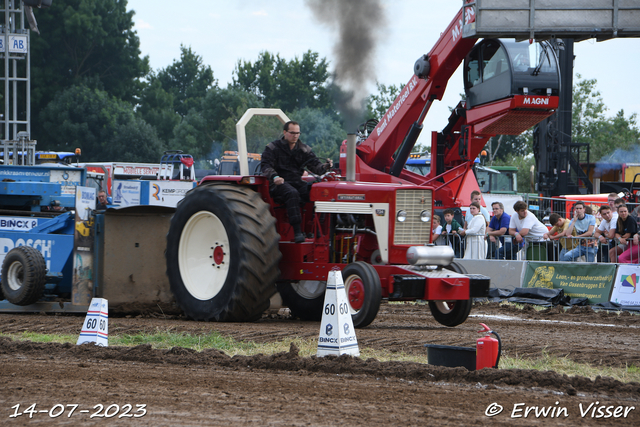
x,y
475,232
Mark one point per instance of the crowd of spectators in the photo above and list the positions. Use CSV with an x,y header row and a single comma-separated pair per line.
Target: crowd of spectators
x,y
608,235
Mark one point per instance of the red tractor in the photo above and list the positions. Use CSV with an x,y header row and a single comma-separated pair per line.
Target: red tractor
x,y
230,247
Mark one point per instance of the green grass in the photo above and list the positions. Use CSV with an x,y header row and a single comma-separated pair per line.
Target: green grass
x,y
308,347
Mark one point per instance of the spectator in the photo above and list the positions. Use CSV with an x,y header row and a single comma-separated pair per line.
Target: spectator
x,y
476,196
584,225
524,226
626,227
102,202
437,237
476,245
632,254
450,231
498,228
560,226
605,232
611,199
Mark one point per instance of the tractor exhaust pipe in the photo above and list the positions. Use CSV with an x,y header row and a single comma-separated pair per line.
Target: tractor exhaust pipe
x,y
351,157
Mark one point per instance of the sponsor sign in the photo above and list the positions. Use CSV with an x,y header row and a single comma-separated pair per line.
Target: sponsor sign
x,y
18,223
625,287
44,245
83,274
17,43
68,179
126,193
579,280
168,193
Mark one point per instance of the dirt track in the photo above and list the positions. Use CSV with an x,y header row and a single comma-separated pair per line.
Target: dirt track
x,y
182,387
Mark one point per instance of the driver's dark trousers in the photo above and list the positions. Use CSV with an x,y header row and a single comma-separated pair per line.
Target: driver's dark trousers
x,y
290,194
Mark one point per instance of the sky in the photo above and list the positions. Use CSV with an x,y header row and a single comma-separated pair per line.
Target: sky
x,y
222,32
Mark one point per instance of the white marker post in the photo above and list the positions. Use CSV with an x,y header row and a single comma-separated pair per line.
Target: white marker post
x,y
337,334
95,328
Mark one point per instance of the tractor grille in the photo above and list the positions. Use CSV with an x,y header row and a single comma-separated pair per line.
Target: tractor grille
x,y
412,231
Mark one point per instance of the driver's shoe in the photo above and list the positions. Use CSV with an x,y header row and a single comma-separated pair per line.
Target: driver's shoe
x,y
298,238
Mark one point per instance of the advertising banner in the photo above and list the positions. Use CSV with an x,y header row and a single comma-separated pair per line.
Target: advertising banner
x,y
126,193
168,193
83,274
625,291
579,280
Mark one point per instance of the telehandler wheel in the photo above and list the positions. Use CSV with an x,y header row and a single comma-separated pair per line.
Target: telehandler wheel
x,y
23,275
305,299
451,313
222,254
364,292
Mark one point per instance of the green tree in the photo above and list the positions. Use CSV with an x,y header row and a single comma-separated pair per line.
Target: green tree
x,y
378,104
605,135
322,132
84,40
157,108
187,80
616,138
504,147
288,85
209,129
104,127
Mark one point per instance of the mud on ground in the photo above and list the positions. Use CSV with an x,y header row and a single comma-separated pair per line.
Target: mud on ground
x,y
184,387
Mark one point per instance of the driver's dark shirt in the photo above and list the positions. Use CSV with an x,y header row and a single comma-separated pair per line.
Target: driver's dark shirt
x,y
279,160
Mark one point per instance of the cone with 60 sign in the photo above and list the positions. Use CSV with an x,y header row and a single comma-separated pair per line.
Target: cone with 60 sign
x,y
95,328
337,334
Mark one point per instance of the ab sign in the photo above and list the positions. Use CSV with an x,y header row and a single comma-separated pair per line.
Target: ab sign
x,y
17,43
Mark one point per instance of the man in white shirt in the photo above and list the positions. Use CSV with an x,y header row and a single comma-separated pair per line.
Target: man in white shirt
x,y
606,231
525,226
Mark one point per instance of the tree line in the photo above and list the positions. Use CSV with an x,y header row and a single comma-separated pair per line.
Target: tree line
x,y
91,88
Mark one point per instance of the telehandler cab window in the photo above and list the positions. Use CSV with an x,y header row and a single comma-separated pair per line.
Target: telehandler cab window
x,y
497,69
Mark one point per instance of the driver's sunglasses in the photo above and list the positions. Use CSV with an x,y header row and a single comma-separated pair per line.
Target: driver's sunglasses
x,y
294,133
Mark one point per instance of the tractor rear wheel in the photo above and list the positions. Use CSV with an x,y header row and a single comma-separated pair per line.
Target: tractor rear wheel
x,y
305,299
222,254
23,275
451,313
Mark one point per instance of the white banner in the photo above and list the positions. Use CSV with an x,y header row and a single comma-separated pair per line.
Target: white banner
x,y
168,193
126,193
625,290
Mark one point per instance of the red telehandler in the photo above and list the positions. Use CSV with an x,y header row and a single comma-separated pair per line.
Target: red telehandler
x,y
230,246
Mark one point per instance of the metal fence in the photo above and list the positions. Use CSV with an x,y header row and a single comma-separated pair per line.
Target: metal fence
x,y
565,249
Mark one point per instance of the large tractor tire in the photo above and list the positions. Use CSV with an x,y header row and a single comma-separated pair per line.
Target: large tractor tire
x,y
451,313
305,299
222,254
23,275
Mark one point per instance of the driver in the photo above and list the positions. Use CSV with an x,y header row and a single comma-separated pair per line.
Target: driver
x,y
283,163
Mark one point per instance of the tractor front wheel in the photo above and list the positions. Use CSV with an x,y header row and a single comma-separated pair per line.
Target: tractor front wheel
x,y
305,299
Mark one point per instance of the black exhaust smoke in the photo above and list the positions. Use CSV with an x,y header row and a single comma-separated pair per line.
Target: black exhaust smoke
x,y
358,23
